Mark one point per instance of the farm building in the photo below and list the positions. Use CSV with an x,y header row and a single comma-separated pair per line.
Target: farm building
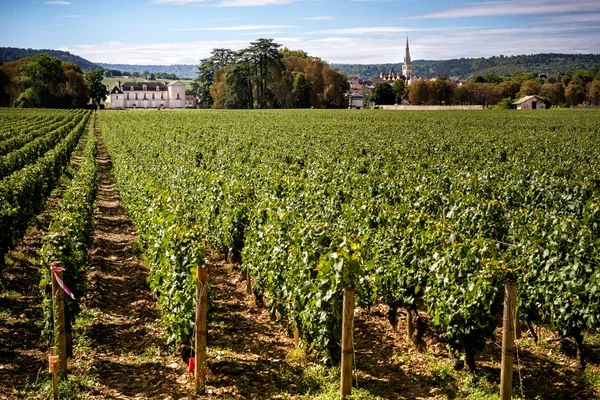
x,y
147,95
357,101
530,103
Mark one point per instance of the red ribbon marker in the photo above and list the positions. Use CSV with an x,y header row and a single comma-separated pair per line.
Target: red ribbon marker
x,y
192,364
60,282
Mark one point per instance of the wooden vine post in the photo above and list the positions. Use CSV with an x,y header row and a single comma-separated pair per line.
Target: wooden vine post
x,y
296,336
200,342
58,305
347,343
508,341
53,365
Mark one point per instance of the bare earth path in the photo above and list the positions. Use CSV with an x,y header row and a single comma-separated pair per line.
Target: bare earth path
x,y
122,351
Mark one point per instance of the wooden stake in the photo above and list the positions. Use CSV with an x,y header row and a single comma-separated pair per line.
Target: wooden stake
x,y
248,282
58,302
410,327
347,344
53,371
297,337
200,350
508,341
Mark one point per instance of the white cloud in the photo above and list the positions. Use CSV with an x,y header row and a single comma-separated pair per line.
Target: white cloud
x,y
319,18
513,8
62,3
356,49
373,30
227,3
236,28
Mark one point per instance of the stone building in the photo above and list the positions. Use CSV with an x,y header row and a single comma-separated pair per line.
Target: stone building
x,y
530,103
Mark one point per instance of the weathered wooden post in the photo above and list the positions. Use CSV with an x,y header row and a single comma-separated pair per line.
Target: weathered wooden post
x,y
200,350
248,282
58,304
296,336
53,366
508,341
347,344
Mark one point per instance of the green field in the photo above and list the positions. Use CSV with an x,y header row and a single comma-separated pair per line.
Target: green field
x,y
428,211
427,215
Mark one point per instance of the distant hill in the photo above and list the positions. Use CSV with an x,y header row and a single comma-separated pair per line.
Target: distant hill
x,y
13,54
463,68
458,68
181,70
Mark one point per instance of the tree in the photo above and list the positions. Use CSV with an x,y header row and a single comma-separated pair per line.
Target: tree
x,y
267,62
398,87
285,52
553,92
75,91
508,88
593,92
441,92
575,94
41,78
383,94
418,92
96,89
300,91
206,75
530,87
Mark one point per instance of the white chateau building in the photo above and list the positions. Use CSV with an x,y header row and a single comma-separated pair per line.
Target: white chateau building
x,y
147,95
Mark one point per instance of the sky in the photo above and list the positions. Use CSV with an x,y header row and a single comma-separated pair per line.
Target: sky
x,y
338,31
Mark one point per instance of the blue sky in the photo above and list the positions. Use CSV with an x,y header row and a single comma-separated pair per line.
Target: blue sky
x,y
351,31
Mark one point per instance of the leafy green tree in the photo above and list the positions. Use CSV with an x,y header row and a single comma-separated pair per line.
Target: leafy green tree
x,y
383,94
96,89
285,52
206,75
41,79
553,92
508,88
575,94
530,87
418,92
300,91
398,87
267,62
441,92
593,92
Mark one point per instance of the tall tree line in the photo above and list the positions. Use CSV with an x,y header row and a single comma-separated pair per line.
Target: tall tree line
x,y
265,76
44,81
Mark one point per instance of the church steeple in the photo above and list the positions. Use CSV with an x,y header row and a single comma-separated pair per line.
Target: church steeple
x,y
407,68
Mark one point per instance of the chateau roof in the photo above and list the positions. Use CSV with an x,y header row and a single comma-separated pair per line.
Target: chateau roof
x,y
115,90
140,86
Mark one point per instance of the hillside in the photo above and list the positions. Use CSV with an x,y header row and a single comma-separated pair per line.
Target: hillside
x,y
8,54
463,68
181,70
460,68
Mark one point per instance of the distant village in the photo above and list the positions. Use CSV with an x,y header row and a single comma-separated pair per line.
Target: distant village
x,y
523,91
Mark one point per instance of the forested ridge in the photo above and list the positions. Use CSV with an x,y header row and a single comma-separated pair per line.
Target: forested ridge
x,y
462,68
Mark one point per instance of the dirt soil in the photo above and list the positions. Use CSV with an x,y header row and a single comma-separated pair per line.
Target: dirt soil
x,y
123,352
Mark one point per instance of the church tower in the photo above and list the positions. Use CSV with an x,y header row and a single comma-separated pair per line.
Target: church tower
x,y
407,68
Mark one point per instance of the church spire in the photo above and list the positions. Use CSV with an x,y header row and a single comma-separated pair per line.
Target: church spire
x,y
407,68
